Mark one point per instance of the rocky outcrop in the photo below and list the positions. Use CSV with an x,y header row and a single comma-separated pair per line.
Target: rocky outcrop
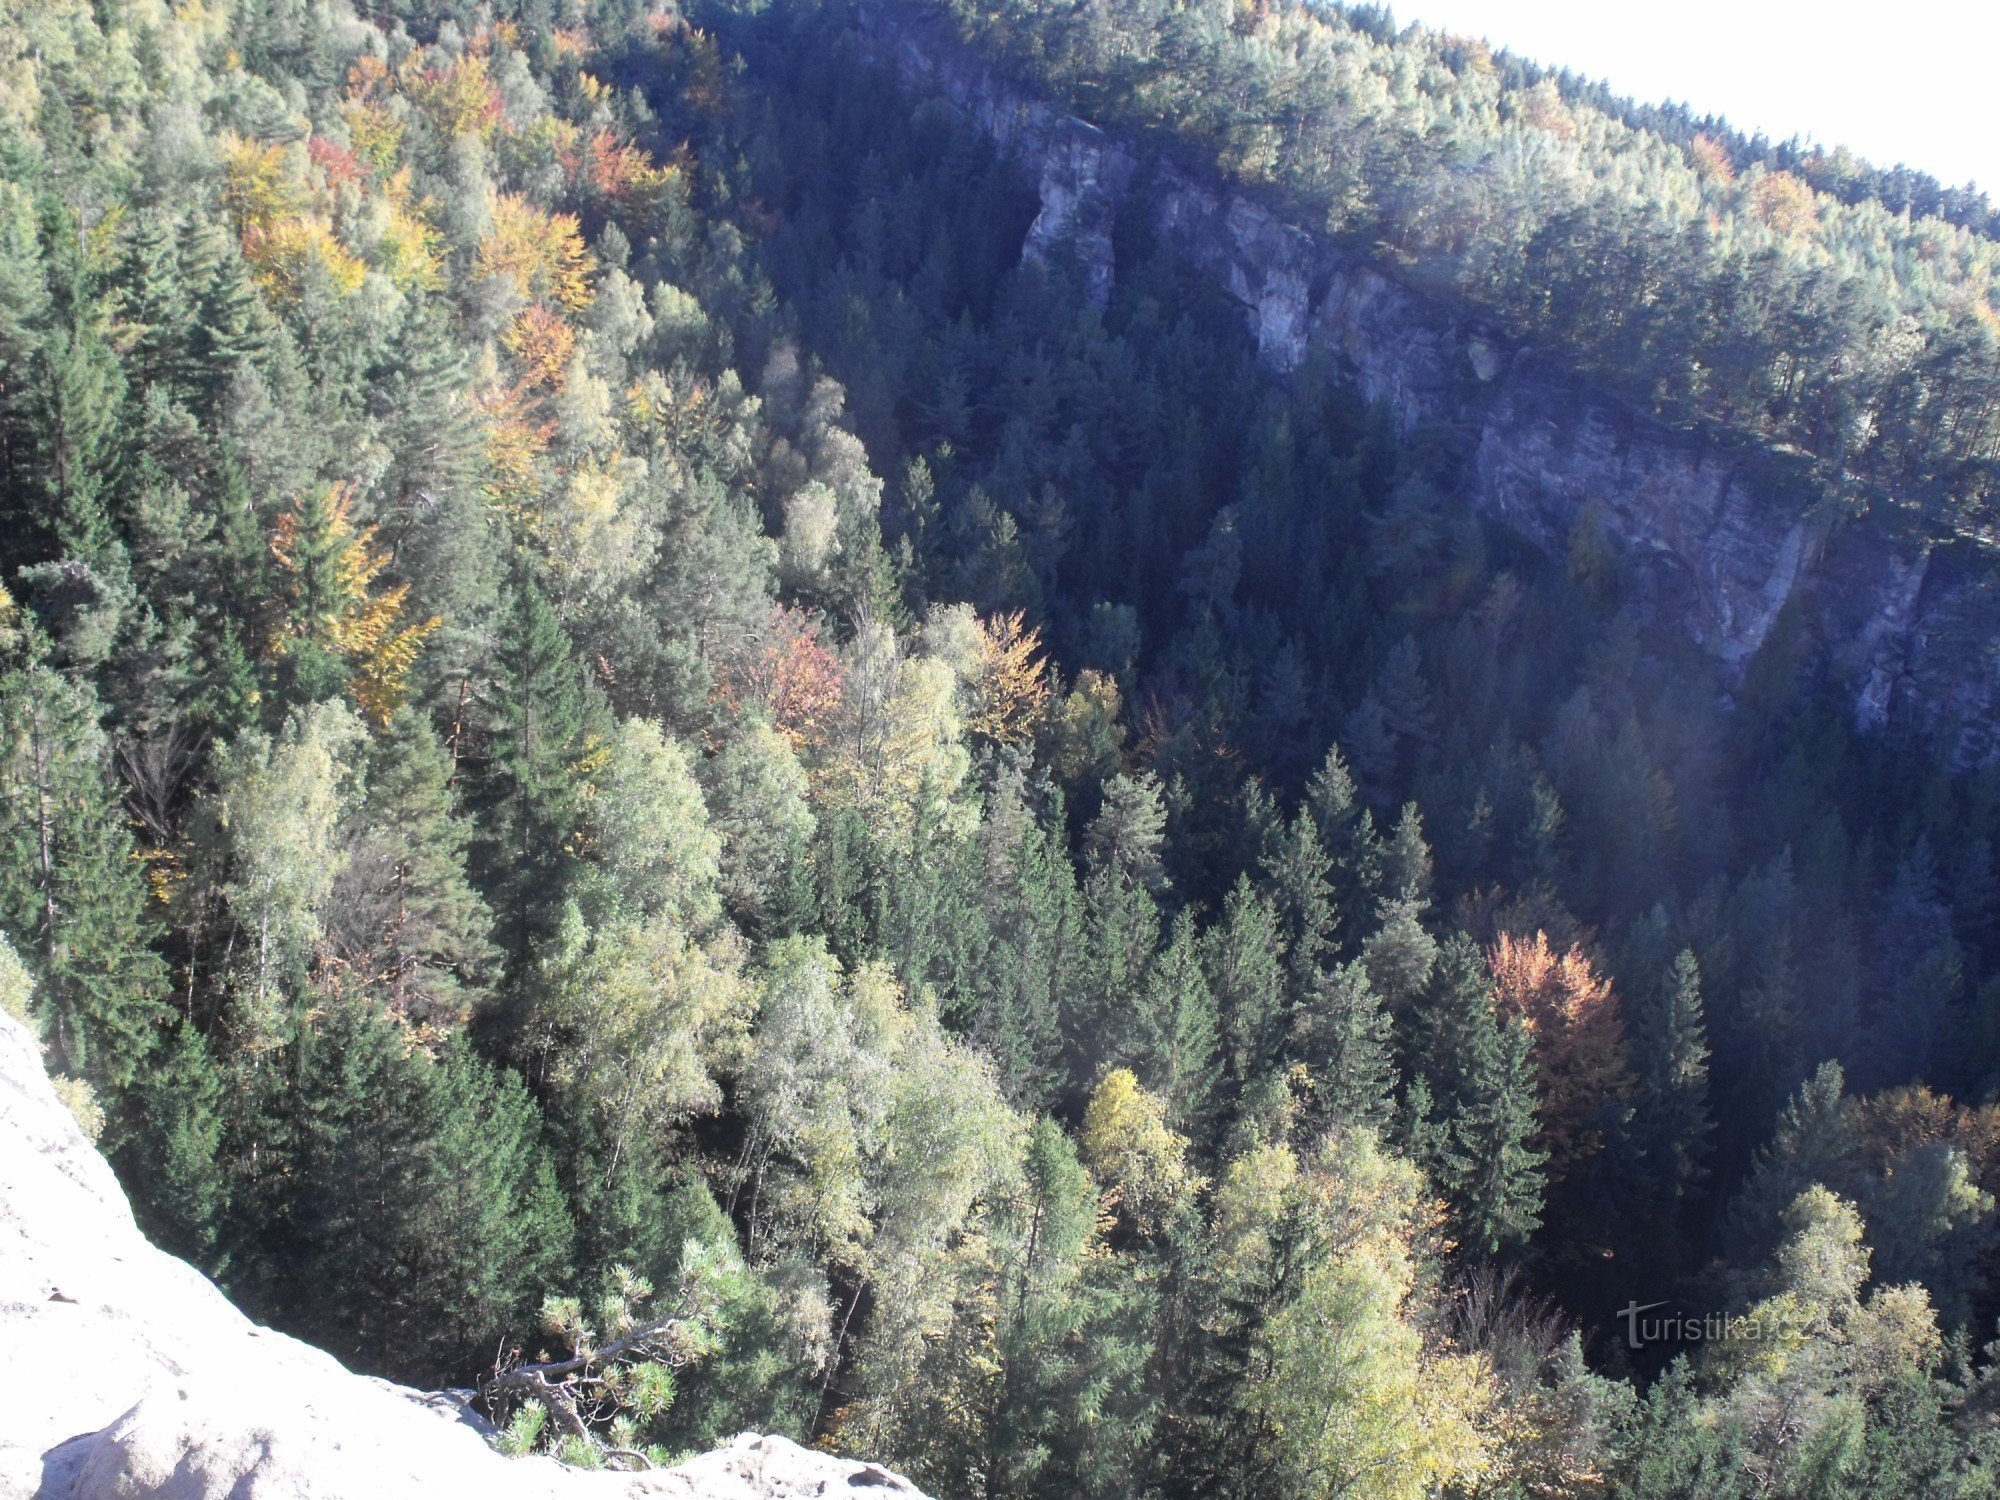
x,y
129,1374
1715,540
1083,177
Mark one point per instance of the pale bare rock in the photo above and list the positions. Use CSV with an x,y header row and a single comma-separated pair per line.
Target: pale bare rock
x,y
773,1468
130,1374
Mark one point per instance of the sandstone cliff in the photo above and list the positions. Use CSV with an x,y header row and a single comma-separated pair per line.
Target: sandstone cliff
x,y
1716,538
129,1374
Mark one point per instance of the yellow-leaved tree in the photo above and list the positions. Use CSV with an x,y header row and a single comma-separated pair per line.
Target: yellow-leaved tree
x,y
339,627
542,254
1357,1395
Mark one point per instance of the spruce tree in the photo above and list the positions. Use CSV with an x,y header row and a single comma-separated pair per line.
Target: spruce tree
x,y
1122,919
1500,1198
417,1211
1173,1042
78,406
404,912
1345,1037
1035,921
1246,970
1406,860
24,313
232,328
533,782
1674,1122
180,1187
316,547
72,897
155,300
1297,867
1400,955
1479,1074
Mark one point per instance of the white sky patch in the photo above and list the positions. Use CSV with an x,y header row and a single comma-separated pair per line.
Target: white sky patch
x,y
1912,83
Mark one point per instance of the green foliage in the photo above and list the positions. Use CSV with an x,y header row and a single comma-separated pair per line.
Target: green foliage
x,y
71,893
1473,1118
1048,1074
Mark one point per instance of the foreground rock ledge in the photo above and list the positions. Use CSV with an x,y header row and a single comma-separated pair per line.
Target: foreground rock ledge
x,y
129,1374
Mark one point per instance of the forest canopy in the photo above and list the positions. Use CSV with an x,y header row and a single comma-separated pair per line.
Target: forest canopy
x,y
623,741
1793,295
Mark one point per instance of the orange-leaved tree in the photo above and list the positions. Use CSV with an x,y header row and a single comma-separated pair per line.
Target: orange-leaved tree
x,y
1579,1039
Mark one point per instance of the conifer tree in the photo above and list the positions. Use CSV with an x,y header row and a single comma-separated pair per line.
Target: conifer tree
x,y
537,726
1406,859
1674,1122
1036,923
71,894
425,1207
403,913
182,1189
1296,865
1121,918
232,327
24,312
1066,1409
1245,962
78,400
155,300
1346,1038
1479,1074
1400,955
1174,1039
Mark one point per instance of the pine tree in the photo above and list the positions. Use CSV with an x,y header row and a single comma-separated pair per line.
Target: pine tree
x,y
1173,1041
1245,962
1479,1073
537,725
404,915
1674,1122
1346,1038
1296,865
71,893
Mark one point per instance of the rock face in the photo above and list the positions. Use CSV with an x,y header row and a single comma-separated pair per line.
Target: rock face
x,y
1714,541
1083,177
129,1374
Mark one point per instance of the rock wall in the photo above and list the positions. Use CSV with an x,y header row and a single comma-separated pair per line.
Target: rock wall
x,y
1715,540
129,1374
